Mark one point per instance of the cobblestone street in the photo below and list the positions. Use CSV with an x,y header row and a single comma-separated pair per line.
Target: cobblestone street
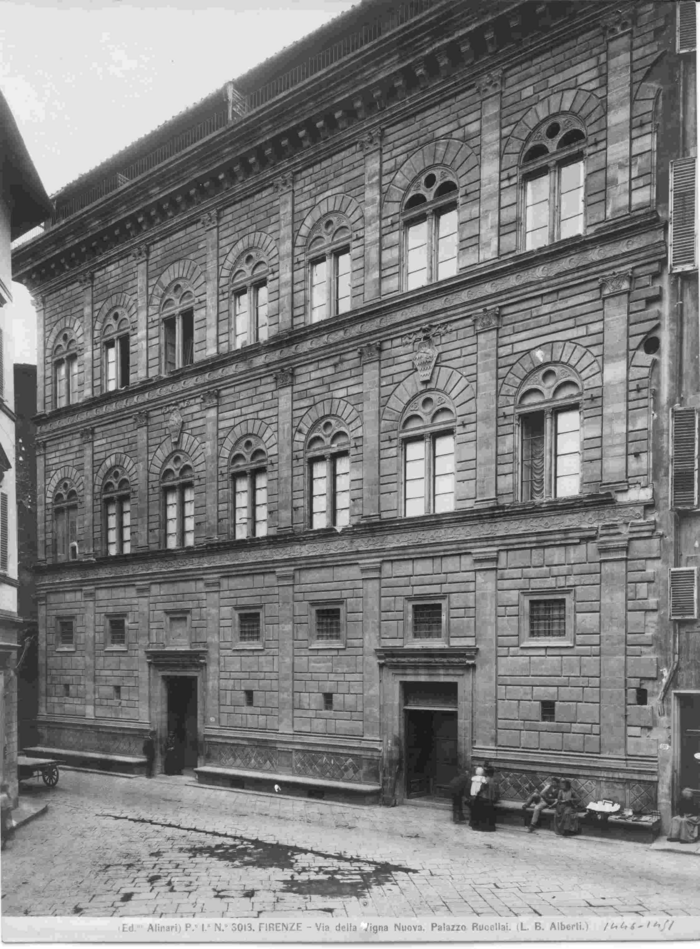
x,y
113,846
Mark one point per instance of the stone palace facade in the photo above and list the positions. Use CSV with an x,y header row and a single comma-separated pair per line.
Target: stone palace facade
x,y
358,387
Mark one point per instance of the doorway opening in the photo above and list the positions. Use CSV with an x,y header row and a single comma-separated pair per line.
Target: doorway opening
x,y
431,738
182,724
689,745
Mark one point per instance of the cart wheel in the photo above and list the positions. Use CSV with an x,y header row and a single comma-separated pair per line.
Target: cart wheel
x,y
50,776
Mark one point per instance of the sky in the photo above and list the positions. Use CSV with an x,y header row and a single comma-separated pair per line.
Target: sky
x,y
85,79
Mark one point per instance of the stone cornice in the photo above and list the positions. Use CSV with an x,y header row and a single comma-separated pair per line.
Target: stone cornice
x,y
213,160
478,532
505,281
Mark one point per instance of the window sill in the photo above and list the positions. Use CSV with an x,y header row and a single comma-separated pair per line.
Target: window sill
x,y
327,645
426,643
116,648
249,647
66,649
547,644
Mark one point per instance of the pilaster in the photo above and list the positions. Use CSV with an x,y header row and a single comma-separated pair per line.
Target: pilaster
x,y
86,282
43,636
489,88
141,422
285,188
283,380
486,327
210,401
619,112
143,594
370,144
89,674
369,355
212,588
40,355
285,606
371,572
615,290
41,501
211,225
485,720
612,549
88,537
140,255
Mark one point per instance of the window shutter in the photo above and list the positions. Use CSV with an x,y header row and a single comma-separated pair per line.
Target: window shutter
x,y
682,225
4,538
685,26
684,458
683,592
2,366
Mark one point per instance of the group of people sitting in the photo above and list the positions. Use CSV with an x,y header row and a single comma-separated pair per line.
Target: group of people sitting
x,y
483,795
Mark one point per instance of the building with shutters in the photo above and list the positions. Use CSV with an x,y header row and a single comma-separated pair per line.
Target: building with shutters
x,y
23,204
358,386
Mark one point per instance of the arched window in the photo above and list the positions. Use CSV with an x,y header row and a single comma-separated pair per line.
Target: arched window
x,y
65,520
552,180
116,500
249,300
249,488
428,448
177,483
116,351
328,460
549,422
429,218
177,315
65,370
329,266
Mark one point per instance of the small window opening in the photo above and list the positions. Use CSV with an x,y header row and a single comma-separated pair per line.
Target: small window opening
x,y
249,697
548,711
118,693
66,690
327,701
641,696
651,345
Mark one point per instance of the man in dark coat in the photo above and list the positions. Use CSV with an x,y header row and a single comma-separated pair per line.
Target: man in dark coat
x,y
149,752
457,787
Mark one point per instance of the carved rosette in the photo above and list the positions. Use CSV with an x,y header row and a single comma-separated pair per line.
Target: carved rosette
x,y
488,319
283,377
491,83
616,283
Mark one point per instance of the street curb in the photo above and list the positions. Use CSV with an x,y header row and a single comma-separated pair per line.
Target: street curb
x,y
27,814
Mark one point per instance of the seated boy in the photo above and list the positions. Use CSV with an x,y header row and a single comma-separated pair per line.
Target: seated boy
x,y
547,797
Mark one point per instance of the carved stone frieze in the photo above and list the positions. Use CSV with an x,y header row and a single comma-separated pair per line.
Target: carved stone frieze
x,y
616,283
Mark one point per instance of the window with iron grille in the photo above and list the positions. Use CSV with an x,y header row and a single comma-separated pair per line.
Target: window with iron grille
x,y
66,633
548,711
327,701
328,623
548,619
117,631
249,698
427,621
249,627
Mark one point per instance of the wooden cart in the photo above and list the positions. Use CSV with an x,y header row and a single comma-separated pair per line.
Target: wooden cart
x,y
30,767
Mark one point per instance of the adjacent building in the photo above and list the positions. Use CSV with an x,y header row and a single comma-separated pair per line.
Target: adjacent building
x,y
367,433
23,205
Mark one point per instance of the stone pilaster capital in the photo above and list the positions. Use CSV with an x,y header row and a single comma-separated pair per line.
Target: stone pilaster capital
x,y
210,219
212,584
612,542
87,435
141,419
370,352
140,253
41,598
37,302
40,448
285,576
490,83
370,140
371,569
88,593
283,377
616,283
86,278
210,398
143,589
617,22
486,559
488,319
284,182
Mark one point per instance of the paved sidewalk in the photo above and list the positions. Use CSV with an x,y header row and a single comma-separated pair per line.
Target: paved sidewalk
x,y
166,847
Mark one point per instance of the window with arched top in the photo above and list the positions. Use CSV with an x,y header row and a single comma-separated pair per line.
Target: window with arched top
x,y
429,217
249,488
249,322
177,320
116,504
552,182
65,521
328,460
177,482
549,426
428,451
65,370
116,351
329,267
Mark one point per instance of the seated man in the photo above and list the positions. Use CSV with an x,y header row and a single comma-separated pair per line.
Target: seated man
x,y
685,826
547,797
